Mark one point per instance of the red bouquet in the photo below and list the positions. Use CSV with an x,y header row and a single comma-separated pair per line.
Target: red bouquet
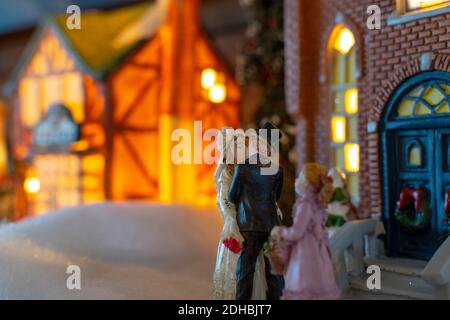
x,y
232,244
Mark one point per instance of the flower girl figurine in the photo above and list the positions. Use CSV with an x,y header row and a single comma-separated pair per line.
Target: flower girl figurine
x,y
308,272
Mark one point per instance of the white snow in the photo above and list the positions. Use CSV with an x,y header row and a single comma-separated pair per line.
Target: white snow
x,y
125,251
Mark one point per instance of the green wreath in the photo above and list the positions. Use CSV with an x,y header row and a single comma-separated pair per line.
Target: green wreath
x,y
413,211
334,220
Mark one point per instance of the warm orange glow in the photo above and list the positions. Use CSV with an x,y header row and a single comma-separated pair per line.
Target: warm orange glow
x,y
92,180
218,93
166,123
338,127
148,101
73,95
351,101
344,41
3,148
29,101
37,94
351,151
81,145
59,181
50,78
32,185
51,91
208,78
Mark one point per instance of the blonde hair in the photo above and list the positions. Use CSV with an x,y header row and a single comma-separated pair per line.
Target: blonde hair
x,y
316,175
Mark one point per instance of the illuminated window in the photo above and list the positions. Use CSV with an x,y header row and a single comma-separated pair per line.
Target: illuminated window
x,y
415,155
431,98
338,128
414,5
38,94
56,183
50,78
344,116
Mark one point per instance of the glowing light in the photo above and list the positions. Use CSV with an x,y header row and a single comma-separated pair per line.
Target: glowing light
x,y
208,78
338,125
351,151
351,101
32,185
420,4
218,93
344,41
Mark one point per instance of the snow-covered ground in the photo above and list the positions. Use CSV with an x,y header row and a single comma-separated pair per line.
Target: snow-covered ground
x,y
124,250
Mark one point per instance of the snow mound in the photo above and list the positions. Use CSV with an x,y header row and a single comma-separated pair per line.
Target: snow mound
x,y
125,251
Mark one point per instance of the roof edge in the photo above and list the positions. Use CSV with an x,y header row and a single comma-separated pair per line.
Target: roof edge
x,y
25,57
79,61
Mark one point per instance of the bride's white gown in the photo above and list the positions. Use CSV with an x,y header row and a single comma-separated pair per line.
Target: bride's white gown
x,y
224,278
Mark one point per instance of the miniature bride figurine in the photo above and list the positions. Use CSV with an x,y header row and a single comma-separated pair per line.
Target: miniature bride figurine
x,y
224,278
309,271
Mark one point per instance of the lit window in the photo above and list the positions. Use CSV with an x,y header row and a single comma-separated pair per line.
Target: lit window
x,y
351,151
56,183
351,101
430,98
37,94
415,156
344,117
338,129
50,78
344,41
413,5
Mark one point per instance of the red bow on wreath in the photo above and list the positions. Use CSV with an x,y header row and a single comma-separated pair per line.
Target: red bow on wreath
x,y
447,207
447,202
409,195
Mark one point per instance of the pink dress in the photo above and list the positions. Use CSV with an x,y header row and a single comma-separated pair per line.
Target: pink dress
x,y
309,273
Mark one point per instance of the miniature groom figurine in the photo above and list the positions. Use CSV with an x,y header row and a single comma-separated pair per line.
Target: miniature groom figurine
x,y
255,195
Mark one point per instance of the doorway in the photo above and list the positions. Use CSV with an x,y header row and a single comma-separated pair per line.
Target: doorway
x,y
415,162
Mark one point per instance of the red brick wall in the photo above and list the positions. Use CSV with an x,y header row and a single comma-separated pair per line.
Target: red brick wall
x,y
386,58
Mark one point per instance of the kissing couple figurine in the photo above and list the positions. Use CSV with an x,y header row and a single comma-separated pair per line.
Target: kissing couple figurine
x,y
247,200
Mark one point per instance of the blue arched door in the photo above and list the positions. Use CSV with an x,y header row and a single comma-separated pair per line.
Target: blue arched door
x,y
415,162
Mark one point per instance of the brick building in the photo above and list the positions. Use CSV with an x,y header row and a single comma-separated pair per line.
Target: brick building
x,y
361,96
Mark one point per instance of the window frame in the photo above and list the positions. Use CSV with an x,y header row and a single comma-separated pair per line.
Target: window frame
x,y
334,88
403,15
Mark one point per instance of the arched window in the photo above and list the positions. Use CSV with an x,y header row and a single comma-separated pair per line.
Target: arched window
x,y
427,99
344,116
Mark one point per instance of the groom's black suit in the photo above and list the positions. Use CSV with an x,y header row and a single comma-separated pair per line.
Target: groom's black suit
x,y
255,196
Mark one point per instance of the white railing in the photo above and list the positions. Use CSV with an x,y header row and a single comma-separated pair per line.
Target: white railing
x,y
349,245
437,272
